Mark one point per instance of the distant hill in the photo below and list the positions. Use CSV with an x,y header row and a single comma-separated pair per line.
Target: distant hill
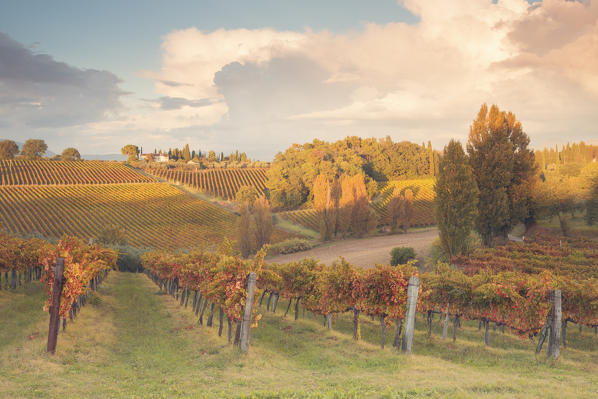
x,y
104,157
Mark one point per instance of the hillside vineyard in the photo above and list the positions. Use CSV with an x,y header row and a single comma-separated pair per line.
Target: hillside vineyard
x,y
155,214
223,183
24,172
423,205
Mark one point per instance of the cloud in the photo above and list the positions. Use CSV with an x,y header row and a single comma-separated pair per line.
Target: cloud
x,y
37,91
260,90
417,81
169,103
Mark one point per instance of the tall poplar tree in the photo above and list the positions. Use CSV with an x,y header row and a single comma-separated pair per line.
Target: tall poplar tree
x,y
262,218
324,207
504,169
456,199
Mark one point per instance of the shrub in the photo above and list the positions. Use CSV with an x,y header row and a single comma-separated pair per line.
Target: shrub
x,y
129,258
401,255
291,245
94,299
437,253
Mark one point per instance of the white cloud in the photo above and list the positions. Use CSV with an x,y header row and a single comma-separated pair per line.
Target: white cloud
x,y
261,89
404,79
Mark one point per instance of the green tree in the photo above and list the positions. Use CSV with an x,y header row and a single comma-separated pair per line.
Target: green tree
x,y
246,195
592,203
34,149
292,173
186,153
456,199
212,156
262,222
244,231
407,209
71,154
324,207
395,210
113,234
504,170
8,149
131,151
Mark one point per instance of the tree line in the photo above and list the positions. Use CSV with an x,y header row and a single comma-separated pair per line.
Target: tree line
x,y
569,159
185,154
292,173
34,149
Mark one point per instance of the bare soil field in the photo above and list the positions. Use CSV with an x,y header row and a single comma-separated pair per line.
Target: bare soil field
x,y
367,252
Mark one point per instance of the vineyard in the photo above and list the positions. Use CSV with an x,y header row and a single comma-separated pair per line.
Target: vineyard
x,y
24,172
85,266
512,291
423,200
223,183
351,304
423,205
153,214
304,217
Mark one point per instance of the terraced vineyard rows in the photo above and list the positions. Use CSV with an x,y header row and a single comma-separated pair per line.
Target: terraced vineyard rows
x,y
304,217
423,200
222,183
24,172
423,205
154,214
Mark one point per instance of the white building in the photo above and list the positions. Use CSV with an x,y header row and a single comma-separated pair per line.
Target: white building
x,y
154,157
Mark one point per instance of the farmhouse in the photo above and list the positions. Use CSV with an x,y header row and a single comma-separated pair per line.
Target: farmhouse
x,y
154,157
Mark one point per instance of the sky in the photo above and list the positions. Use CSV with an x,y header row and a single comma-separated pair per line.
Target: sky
x,y
259,76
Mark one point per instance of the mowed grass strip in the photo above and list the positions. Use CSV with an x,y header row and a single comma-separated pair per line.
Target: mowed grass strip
x,y
136,343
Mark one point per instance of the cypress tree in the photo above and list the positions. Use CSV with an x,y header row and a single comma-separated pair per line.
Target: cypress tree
x,y
186,153
456,199
592,204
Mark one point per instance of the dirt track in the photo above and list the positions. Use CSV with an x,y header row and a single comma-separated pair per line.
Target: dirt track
x,y
366,252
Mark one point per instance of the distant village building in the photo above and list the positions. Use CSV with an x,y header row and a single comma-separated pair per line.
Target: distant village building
x,y
154,157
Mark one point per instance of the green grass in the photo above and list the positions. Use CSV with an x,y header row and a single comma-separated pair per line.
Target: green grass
x,y
295,228
136,343
577,224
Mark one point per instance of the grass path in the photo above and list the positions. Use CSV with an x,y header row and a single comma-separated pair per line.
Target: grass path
x,y
135,343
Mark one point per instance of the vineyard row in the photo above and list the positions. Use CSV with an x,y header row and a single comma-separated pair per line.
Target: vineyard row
x,y
43,172
155,215
223,183
517,300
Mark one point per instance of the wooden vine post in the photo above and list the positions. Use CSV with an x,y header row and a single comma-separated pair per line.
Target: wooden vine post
x,y
555,324
55,306
412,292
246,322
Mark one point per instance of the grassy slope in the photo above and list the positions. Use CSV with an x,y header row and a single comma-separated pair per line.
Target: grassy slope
x,y
135,343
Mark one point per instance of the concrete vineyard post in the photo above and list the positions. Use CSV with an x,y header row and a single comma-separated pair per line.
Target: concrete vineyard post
x,y
55,306
412,292
246,323
555,324
446,323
